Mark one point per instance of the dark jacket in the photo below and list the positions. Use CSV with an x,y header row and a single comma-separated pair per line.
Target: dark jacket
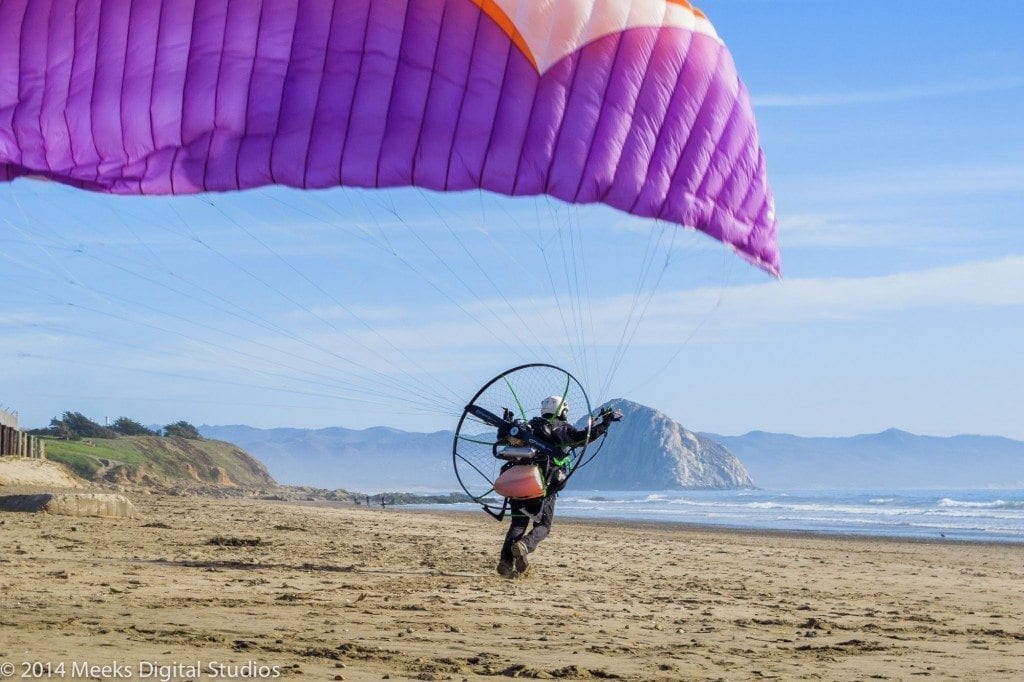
x,y
561,436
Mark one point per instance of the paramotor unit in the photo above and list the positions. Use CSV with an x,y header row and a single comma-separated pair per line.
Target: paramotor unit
x,y
495,429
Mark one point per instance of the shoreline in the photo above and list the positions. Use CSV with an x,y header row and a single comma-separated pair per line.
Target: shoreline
x,y
689,526
562,515
940,515
711,529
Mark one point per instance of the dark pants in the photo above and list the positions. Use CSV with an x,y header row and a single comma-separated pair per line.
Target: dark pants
x,y
522,511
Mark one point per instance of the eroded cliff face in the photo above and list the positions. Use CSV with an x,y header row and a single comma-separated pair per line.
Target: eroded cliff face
x,y
648,450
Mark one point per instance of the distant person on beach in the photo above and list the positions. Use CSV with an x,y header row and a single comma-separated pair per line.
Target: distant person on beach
x,y
553,428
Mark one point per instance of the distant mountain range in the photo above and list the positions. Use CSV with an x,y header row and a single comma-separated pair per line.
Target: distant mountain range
x,y
372,460
892,459
646,451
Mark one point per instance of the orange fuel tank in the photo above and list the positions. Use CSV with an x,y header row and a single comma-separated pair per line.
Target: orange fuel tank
x,y
520,482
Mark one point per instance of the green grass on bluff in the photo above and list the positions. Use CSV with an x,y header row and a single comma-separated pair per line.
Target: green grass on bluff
x,y
153,459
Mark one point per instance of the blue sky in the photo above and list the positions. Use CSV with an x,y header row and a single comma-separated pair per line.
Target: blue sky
x,y
895,145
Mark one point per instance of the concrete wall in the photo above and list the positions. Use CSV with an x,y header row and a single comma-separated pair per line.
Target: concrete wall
x,y
8,418
71,504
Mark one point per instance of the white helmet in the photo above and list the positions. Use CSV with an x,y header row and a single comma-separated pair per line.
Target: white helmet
x,y
555,405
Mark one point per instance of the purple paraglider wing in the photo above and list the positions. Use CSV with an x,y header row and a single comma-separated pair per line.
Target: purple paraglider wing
x,y
632,103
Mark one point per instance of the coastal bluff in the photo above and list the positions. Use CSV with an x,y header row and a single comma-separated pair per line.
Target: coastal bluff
x,y
157,461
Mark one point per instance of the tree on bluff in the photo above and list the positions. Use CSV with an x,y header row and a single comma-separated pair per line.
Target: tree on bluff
x,y
130,427
182,429
75,425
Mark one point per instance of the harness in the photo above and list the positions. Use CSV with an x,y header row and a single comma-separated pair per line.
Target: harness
x,y
536,443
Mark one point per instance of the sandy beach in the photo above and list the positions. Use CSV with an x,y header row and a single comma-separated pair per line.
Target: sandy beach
x,y
200,588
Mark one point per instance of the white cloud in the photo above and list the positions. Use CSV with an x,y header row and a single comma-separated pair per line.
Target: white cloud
x,y
452,344
829,230
839,99
672,316
18,319
942,180
989,283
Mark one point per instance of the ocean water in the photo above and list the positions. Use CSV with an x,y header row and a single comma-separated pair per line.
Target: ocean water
x,y
990,515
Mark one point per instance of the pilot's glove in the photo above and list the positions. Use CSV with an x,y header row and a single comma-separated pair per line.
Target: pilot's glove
x,y
609,415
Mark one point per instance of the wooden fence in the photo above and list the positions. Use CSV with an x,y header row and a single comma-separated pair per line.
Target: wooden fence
x,y
15,443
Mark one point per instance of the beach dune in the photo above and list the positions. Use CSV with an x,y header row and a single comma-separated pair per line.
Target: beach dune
x,y
345,592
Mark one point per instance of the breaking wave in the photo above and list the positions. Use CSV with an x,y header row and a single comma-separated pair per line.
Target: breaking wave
x,y
965,515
